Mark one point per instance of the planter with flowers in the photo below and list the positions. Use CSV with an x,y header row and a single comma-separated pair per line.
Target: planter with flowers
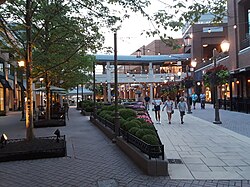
x,y
188,82
216,76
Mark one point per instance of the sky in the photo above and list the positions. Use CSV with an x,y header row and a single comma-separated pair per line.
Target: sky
x,y
129,37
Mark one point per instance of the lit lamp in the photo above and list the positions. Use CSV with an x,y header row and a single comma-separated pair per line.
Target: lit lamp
x,y
138,53
224,47
41,81
21,64
193,65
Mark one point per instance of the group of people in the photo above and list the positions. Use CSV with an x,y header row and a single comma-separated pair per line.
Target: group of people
x,y
169,106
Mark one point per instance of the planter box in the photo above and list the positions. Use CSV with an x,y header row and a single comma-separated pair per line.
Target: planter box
x,y
152,167
43,147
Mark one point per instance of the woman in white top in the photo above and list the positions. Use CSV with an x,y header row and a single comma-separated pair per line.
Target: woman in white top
x,y
169,108
157,108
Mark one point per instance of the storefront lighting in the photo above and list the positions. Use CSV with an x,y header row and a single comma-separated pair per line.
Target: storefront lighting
x,y
248,80
237,82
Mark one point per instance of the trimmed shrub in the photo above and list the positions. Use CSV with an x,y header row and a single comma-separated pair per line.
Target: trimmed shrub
x,y
147,126
128,125
89,109
126,113
150,139
130,118
142,132
133,130
136,121
141,120
109,118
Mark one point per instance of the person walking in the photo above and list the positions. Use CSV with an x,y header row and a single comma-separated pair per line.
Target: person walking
x,y
182,106
194,99
169,108
157,108
147,99
203,100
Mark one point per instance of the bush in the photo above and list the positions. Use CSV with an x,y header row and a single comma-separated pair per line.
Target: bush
x,y
89,109
150,139
136,121
128,125
142,132
147,126
126,113
133,130
109,118
130,118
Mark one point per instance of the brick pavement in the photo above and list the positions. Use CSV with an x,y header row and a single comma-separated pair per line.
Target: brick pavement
x,y
91,158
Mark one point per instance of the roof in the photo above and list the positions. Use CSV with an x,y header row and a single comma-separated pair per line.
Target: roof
x,y
133,59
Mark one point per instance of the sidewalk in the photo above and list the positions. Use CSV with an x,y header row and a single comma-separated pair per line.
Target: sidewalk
x,y
93,160
208,151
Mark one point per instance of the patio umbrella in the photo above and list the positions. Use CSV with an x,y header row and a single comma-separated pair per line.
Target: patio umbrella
x,y
52,89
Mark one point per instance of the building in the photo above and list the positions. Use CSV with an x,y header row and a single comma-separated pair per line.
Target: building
x,y
199,40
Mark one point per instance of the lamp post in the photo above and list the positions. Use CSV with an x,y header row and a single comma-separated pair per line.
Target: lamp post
x,y
117,121
21,65
224,47
94,91
193,65
41,96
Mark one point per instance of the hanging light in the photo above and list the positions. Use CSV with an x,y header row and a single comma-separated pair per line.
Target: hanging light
x,y
193,63
138,53
225,46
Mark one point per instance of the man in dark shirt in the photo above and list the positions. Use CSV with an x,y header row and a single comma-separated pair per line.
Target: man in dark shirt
x,y
147,99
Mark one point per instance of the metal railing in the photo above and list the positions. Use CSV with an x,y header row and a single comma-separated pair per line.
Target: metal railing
x,y
153,151
236,104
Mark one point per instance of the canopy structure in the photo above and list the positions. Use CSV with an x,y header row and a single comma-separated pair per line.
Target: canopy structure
x,y
81,91
52,89
155,59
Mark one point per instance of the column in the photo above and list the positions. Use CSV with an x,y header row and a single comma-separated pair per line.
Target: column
x,y
109,92
151,93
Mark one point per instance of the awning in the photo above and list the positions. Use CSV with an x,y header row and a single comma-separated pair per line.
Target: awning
x,y
21,85
4,82
52,89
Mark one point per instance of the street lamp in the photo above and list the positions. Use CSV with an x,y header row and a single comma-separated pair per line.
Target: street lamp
x,y
224,47
193,65
21,64
117,119
138,53
41,102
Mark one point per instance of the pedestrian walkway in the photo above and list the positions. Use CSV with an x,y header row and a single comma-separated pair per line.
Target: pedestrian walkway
x,y
92,160
207,151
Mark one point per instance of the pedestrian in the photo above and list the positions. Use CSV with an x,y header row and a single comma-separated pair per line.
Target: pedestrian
x,y
203,100
157,108
182,106
194,99
169,108
147,99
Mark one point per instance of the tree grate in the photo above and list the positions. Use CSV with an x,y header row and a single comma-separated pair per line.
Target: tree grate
x,y
175,161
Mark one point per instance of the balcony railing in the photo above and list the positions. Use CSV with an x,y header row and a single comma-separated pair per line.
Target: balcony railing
x,y
246,42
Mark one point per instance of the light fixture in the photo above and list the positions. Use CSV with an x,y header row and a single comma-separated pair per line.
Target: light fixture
x,y
58,134
21,63
204,45
138,53
198,83
179,73
248,80
41,79
237,82
225,46
193,63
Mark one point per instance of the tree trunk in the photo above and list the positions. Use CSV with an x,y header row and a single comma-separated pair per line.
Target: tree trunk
x,y
29,103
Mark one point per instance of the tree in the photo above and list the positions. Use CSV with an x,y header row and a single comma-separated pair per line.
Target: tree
x,y
54,36
175,15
